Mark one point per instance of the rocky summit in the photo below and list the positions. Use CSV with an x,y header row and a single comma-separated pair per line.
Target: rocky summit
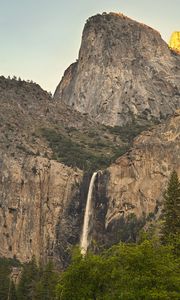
x,y
124,72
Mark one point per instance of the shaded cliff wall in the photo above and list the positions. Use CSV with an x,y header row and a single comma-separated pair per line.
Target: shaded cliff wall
x,y
36,194
130,191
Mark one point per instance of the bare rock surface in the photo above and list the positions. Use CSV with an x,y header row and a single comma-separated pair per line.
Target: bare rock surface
x,y
130,192
124,71
42,202
35,195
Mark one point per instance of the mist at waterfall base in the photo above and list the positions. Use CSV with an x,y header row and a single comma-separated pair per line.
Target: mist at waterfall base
x,y
88,212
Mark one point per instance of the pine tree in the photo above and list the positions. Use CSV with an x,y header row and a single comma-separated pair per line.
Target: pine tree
x,y
45,287
29,277
12,293
171,212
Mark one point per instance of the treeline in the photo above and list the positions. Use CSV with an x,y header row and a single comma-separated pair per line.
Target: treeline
x,y
144,271
17,79
6,286
21,82
125,271
36,282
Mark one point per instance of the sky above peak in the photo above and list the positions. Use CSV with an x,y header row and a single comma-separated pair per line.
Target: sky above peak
x,y
40,38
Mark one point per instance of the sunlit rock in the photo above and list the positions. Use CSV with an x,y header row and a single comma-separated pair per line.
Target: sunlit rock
x,y
174,42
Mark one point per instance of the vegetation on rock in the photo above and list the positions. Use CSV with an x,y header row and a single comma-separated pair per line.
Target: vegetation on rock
x,y
6,286
90,155
149,270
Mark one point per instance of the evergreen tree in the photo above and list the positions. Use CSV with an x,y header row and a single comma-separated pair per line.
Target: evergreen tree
x,y
125,271
171,212
45,287
29,278
4,280
7,288
12,292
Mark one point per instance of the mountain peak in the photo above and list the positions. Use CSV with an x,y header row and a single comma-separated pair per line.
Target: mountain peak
x,y
125,72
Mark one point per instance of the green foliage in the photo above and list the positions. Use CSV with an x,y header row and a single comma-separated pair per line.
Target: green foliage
x,y
37,283
171,212
84,279
125,271
146,271
94,147
129,229
12,292
29,278
130,131
5,283
75,154
45,287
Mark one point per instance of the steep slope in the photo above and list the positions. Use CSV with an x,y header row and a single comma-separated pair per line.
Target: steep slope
x,y
42,201
32,123
37,194
130,192
125,71
37,198
42,190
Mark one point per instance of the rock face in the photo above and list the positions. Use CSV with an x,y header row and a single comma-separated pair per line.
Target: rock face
x,y
33,124
39,203
174,43
42,202
125,71
129,192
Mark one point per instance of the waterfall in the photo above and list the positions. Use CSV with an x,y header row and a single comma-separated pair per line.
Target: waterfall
x,y
88,211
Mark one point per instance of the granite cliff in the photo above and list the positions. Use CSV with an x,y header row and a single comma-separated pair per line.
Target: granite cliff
x,y
42,190
50,147
129,193
36,192
36,196
124,71
42,201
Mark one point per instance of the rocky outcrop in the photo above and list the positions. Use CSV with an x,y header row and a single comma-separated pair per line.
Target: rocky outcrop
x,y
140,176
39,201
125,71
174,42
129,193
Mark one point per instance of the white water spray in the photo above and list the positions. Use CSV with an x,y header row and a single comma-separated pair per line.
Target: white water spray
x,y
88,211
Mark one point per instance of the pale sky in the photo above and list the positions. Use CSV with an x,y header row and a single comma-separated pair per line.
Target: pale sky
x,y
39,39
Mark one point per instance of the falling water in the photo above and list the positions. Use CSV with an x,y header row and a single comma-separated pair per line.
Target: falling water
x,y
88,211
